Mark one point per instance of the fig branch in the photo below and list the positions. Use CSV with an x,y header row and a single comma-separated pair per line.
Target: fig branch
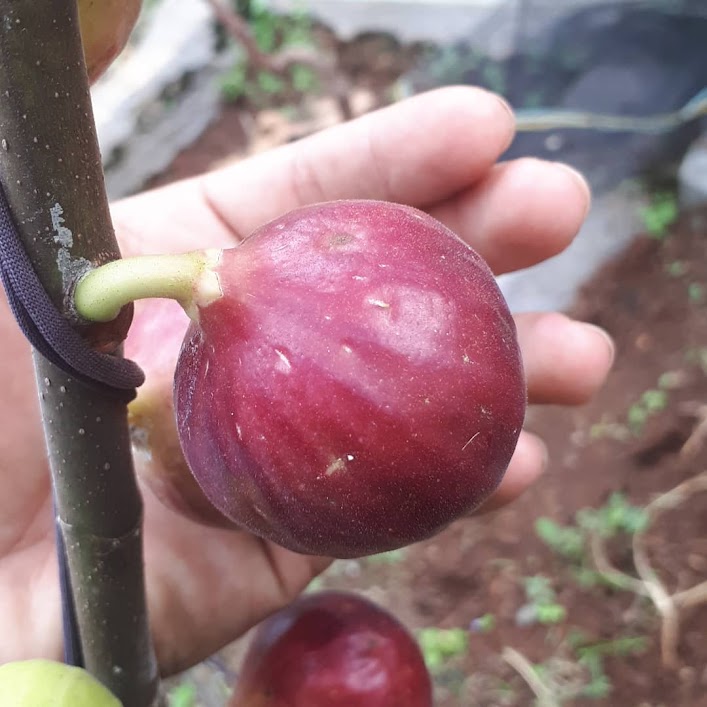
x,y
282,61
52,176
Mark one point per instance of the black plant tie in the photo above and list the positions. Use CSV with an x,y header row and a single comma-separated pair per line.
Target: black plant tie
x,y
51,334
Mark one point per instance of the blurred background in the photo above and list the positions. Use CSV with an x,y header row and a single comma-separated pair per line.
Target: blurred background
x,y
588,590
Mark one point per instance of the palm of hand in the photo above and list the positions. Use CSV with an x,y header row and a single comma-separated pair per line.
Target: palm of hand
x,y
514,214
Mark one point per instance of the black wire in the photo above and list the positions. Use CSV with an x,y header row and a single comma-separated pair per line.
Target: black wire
x,y
73,652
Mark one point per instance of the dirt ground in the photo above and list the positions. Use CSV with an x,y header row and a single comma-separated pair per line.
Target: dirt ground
x,y
563,619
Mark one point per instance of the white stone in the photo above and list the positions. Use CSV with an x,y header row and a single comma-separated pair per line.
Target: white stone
x,y
139,130
692,176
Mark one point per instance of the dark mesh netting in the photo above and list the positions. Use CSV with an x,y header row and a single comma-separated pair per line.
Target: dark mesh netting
x,y
633,73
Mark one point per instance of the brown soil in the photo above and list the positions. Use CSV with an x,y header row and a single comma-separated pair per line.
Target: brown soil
x,y
652,300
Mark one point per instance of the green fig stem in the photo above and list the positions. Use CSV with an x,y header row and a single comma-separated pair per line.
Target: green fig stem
x,y
187,278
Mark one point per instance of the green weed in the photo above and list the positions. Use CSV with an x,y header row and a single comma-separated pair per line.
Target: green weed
x,y
572,542
271,33
542,606
484,624
440,645
584,661
696,293
660,214
676,269
592,657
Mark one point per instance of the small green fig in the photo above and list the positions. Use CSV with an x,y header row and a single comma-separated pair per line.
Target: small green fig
x,y
45,683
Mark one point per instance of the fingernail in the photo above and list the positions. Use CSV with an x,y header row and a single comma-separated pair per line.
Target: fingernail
x,y
506,105
579,179
607,338
511,124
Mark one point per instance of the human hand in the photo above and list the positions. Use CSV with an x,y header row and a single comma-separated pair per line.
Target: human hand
x,y
438,152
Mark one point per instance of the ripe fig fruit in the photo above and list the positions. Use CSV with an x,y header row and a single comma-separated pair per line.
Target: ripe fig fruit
x,y
105,28
44,683
154,341
333,649
352,383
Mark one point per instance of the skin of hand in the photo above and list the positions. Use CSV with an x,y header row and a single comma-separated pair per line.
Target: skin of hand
x,y
437,151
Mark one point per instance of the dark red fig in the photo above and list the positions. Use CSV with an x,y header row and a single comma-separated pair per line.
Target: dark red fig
x,y
333,649
358,384
153,341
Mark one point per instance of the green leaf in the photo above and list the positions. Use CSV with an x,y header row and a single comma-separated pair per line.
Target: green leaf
x,y
551,613
564,540
269,82
439,645
654,400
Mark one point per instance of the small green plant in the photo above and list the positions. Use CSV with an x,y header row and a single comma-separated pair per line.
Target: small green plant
x,y
592,656
269,83
484,624
271,33
616,516
573,542
567,541
696,293
677,268
270,29
660,214
542,606
650,403
440,645
579,671
670,380
303,78
606,429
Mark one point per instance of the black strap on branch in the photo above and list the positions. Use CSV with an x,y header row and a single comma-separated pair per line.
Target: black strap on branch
x,y
49,332
53,337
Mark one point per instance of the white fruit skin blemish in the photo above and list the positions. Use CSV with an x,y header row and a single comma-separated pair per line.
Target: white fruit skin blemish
x,y
283,365
69,268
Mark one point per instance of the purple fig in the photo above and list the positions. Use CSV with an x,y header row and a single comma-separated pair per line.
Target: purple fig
x,y
353,383
333,649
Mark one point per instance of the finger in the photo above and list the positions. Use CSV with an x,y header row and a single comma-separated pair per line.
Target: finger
x,y
565,361
188,583
520,214
171,219
22,440
418,151
527,465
